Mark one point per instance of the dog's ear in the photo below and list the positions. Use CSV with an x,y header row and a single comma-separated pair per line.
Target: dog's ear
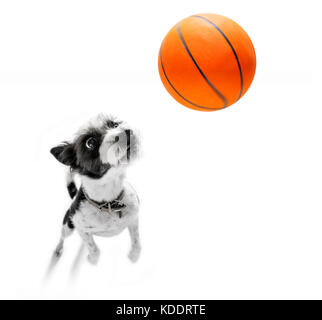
x,y
65,154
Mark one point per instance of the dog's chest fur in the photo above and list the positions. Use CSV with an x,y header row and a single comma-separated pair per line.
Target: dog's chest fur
x,y
90,219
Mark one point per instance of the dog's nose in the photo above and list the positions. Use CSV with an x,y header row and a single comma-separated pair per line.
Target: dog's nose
x,y
116,139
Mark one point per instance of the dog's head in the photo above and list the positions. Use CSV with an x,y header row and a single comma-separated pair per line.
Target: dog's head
x,y
103,143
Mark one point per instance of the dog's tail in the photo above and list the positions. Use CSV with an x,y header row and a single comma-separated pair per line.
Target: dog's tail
x,y
71,186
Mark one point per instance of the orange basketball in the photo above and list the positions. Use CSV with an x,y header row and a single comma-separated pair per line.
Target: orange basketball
x,y
207,62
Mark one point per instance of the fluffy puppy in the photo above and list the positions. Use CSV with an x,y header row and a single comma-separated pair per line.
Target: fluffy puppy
x,y
104,204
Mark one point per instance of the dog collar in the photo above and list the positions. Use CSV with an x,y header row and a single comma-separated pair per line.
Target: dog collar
x,y
115,205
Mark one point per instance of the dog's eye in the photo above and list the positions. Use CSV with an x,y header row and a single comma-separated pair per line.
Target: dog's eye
x,y
91,143
111,124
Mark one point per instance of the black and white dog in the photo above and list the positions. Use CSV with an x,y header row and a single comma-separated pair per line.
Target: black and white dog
x,y
104,204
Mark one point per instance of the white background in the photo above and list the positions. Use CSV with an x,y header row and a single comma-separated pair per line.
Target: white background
x,y
231,200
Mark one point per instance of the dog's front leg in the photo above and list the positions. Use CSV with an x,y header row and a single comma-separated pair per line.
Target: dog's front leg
x,y
93,250
135,251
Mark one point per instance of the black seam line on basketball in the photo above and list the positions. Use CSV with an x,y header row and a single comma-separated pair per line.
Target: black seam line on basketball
x,y
179,94
220,95
232,48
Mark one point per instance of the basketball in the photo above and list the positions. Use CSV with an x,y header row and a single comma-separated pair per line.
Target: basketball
x,y
207,62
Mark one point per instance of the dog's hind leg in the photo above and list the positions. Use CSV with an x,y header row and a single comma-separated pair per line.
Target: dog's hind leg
x,y
135,251
66,231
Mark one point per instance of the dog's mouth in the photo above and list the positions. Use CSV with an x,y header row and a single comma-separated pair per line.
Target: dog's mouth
x,y
128,151
119,150
124,148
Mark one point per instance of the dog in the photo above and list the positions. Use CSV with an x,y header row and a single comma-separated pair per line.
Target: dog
x,y
104,204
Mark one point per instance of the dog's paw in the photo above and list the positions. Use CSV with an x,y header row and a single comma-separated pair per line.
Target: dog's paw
x,y
58,251
134,254
93,257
